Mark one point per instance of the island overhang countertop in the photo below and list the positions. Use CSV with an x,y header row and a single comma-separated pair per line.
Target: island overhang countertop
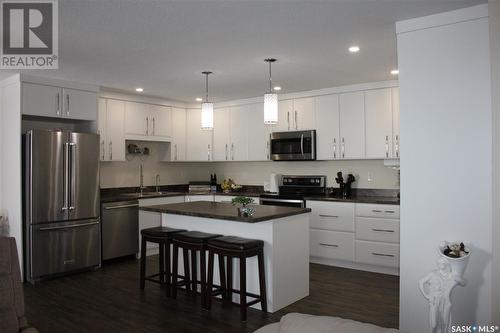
x,y
226,211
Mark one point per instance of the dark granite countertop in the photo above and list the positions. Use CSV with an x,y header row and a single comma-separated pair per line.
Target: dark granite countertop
x,y
358,199
226,211
149,195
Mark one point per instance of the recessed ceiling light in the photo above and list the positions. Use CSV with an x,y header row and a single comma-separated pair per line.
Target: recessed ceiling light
x,y
354,49
277,88
139,89
394,72
199,99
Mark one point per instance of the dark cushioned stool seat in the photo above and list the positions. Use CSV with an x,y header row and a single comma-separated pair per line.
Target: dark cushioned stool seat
x,y
236,243
160,231
194,236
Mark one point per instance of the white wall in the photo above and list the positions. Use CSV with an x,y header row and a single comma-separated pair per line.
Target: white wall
x,y
494,14
446,183
10,131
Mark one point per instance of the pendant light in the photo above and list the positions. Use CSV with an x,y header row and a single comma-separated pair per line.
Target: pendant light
x,y
270,100
207,108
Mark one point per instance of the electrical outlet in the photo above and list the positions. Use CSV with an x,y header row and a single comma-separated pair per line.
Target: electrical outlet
x,y
370,177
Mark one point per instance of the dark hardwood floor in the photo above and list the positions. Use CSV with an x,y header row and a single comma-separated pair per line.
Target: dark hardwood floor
x,y
109,300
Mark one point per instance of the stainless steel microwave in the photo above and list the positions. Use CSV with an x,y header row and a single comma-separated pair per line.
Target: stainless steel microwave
x,y
293,146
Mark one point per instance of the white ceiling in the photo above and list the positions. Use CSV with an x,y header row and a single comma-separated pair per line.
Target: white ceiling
x,y
163,46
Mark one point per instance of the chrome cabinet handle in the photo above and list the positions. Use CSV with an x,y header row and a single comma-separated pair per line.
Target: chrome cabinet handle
x,y
110,150
383,254
232,151
382,230
325,215
389,211
208,152
102,149
67,103
268,150
175,146
288,119
386,146
69,226
376,211
296,118
334,148
154,127
58,105
397,145
226,151
147,125
330,245
343,148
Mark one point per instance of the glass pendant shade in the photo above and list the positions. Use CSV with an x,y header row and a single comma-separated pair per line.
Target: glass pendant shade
x,y
270,108
207,115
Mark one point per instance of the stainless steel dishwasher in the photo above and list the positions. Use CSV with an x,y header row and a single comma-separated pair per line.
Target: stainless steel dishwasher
x,y
120,229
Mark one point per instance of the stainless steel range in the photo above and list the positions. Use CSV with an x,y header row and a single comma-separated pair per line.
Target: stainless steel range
x,y
293,190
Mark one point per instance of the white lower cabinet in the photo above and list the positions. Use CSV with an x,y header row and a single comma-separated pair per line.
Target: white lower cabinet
x,y
149,219
331,244
379,254
355,235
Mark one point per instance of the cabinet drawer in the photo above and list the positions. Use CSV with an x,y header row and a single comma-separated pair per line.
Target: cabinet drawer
x,y
384,211
332,215
332,244
379,230
381,254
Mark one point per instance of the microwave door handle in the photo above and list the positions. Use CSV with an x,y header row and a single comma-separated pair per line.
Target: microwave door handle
x,y
302,144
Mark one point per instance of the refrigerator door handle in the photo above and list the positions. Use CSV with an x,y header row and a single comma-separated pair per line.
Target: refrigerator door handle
x,y
72,173
65,176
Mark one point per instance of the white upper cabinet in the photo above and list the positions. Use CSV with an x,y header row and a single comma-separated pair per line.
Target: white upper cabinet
x,y
178,144
327,127
303,114
160,121
148,122
239,132
285,111
352,129
258,133
79,104
395,122
58,102
221,149
199,146
378,117
136,118
111,123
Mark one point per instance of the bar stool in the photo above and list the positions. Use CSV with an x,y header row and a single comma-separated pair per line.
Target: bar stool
x,y
163,237
190,242
241,248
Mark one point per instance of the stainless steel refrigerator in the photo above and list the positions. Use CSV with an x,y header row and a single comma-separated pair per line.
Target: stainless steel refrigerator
x,y
62,230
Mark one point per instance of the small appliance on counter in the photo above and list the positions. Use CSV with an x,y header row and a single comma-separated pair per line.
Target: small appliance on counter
x,y
274,183
213,183
199,187
345,188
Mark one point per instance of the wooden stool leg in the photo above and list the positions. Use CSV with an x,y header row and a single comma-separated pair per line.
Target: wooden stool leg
x,y
222,275
203,278
194,275
243,288
262,281
162,262
187,279
175,269
210,282
142,276
168,267
229,281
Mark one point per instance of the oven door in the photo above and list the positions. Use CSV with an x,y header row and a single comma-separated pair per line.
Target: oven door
x,y
293,146
283,202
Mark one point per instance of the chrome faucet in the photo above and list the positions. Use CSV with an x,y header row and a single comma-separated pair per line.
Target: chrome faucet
x,y
157,183
141,180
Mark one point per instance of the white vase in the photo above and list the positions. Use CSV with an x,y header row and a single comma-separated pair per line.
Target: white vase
x,y
458,265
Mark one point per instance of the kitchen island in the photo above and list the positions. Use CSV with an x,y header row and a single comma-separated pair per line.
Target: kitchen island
x,y
284,230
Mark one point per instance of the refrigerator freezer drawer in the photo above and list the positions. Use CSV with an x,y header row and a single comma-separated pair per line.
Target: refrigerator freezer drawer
x,y
64,247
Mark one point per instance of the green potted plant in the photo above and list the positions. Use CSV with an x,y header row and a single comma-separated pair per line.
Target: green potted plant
x,y
243,201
